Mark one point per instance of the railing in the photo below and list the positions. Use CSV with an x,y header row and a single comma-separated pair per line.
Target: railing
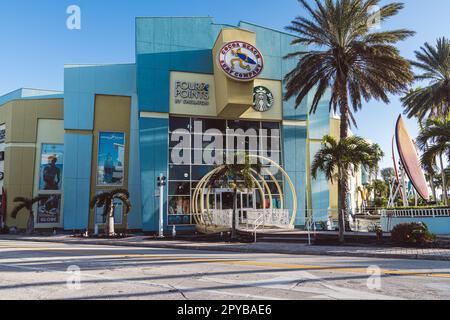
x,y
278,218
416,213
260,222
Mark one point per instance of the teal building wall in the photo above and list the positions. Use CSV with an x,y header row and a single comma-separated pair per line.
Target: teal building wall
x,y
185,44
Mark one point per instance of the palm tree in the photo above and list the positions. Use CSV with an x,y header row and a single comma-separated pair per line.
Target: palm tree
x,y
434,140
337,159
434,99
430,175
27,204
388,174
237,177
348,59
105,200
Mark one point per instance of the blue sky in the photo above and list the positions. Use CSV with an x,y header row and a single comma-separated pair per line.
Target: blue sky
x,y
36,43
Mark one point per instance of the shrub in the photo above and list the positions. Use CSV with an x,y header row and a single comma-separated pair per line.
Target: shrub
x,y
412,233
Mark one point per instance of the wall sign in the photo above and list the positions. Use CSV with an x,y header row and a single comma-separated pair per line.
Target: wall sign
x,y
49,209
241,61
263,99
192,93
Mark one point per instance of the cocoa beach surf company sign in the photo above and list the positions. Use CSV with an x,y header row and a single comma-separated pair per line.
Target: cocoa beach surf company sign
x,y
241,61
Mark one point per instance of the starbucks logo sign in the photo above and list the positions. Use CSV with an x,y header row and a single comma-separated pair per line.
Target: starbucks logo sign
x,y
241,61
263,99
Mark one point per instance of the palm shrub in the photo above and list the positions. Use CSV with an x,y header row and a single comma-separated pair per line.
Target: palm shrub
x,y
348,60
412,233
28,205
337,159
105,200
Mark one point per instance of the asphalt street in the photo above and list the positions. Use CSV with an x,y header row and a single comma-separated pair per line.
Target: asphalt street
x,y
66,271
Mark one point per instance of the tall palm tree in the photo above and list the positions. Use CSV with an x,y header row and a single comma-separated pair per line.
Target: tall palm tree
x,y
105,200
434,99
434,140
348,59
336,159
27,204
237,177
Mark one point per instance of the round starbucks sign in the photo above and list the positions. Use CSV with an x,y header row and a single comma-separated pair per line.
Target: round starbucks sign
x,y
263,99
241,61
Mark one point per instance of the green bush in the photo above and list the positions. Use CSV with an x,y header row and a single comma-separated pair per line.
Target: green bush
x,y
412,233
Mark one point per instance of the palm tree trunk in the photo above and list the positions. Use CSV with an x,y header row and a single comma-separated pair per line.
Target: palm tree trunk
x,y
233,223
30,223
433,187
343,176
341,210
444,180
111,231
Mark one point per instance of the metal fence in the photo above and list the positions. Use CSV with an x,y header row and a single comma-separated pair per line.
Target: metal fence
x,y
416,213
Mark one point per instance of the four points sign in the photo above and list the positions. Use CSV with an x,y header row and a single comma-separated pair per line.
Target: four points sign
x,y
241,61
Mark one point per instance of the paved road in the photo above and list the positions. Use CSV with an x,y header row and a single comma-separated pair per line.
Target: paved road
x,y
66,271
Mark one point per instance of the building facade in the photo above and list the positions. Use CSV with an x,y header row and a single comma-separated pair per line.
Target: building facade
x,y
197,90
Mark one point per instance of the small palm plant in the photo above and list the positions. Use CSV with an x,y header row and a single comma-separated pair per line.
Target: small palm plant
x,y
337,159
27,204
105,200
237,177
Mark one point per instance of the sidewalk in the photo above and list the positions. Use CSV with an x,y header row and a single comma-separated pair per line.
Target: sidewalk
x,y
261,247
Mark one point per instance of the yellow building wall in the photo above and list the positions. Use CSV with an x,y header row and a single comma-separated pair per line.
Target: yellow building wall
x,y
21,120
112,114
335,133
49,132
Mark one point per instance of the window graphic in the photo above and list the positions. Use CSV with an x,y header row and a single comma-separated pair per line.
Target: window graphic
x,y
51,168
111,155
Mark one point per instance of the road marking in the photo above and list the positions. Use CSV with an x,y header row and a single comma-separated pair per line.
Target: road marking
x,y
146,284
102,252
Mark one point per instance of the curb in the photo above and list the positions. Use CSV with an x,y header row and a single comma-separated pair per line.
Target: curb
x,y
239,250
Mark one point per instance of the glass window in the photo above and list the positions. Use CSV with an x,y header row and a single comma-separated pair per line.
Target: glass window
x,y
208,124
180,220
179,205
179,123
270,125
179,188
198,172
179,173
244,125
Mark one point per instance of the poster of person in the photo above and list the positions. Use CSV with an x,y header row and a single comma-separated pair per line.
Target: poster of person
x,y
111,155
49,209
118,213
52,164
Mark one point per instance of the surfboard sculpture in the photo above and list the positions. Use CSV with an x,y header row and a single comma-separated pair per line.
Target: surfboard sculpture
x,y
410,159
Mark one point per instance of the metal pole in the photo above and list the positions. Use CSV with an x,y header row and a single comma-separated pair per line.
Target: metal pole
x,y
161,207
